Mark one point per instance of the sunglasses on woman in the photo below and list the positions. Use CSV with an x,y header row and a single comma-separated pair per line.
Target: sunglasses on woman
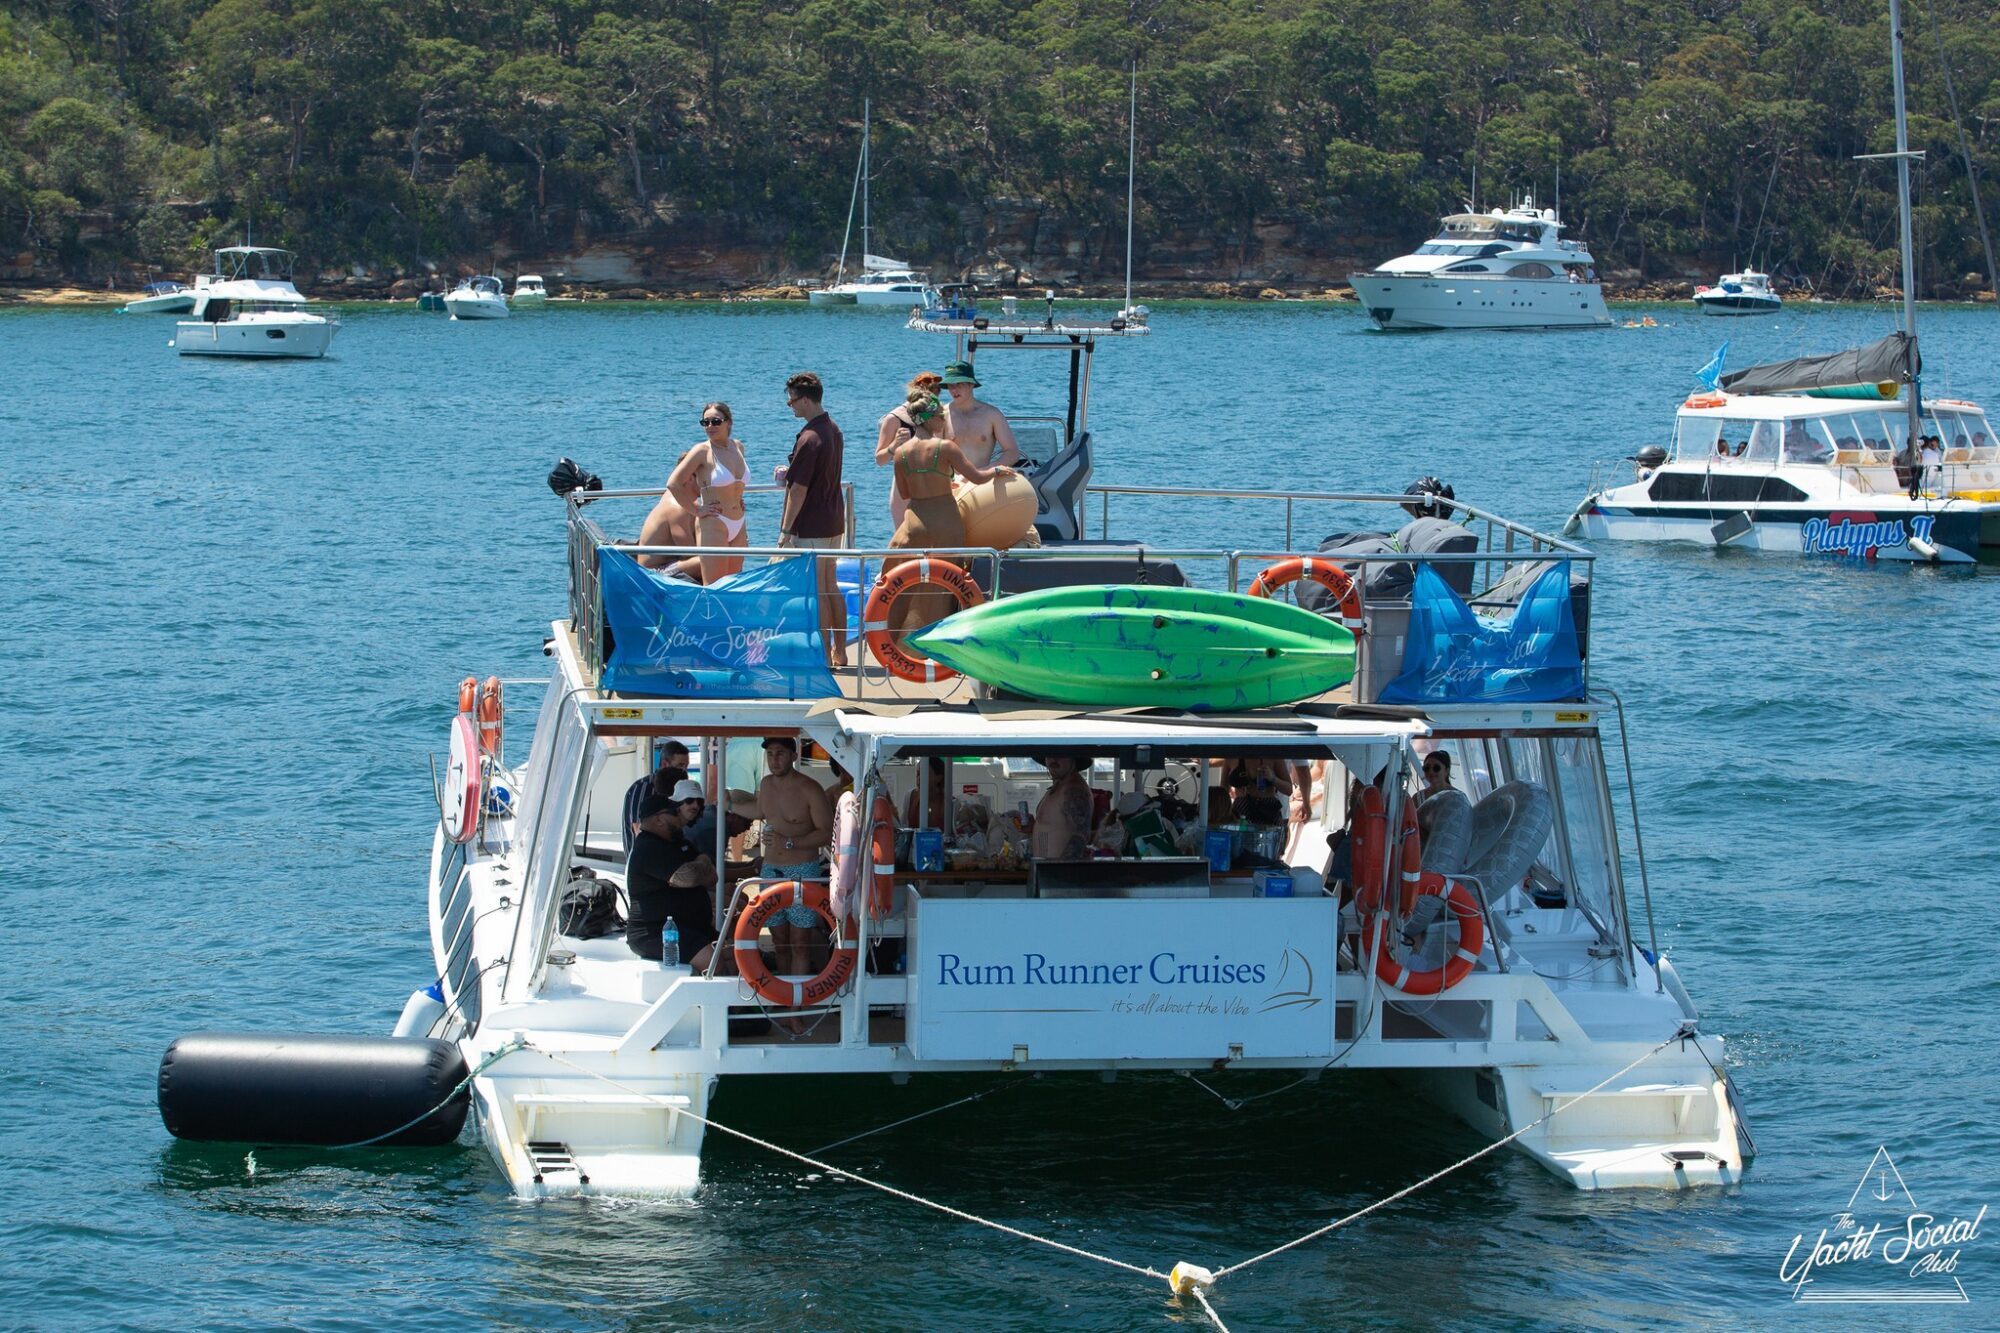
x,y
714,421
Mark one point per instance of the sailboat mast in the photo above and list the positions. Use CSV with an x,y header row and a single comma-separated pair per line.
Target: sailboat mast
x,y
1903,206
865,251
1131,172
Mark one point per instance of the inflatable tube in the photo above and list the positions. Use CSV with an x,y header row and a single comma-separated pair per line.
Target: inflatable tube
x,y
1447,819
996,513
303,1089
1509,828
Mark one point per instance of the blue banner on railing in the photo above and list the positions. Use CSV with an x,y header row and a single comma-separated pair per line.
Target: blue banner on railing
x,y
1456,656
753,635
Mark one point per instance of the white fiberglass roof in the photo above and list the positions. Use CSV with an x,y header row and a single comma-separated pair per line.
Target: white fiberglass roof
x,y
1800,407
969,732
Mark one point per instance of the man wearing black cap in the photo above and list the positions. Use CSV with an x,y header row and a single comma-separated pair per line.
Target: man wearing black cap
x,y
667,877
981,429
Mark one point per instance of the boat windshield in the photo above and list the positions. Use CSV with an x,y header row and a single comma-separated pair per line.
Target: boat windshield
x,y
1846,436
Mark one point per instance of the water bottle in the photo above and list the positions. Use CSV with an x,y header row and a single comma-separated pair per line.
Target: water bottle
x,y
670,944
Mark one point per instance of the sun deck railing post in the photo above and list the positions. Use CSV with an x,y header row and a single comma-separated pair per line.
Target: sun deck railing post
x,y
1288,523
1638,841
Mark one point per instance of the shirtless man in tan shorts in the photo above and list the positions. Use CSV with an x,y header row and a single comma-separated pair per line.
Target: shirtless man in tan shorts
x,y
798,824
980,429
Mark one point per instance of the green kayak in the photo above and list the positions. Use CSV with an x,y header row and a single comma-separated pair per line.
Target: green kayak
x,y
1134,647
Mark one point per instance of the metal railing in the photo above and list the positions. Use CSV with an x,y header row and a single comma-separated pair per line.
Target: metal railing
x,y
1503,548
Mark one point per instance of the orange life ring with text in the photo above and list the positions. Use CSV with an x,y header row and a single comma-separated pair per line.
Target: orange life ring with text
x,y
1326,574
785,992
468,694
917,572
1471,939
1369,831
881,854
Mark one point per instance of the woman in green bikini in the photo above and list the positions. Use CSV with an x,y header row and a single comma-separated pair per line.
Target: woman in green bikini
x,y
925,467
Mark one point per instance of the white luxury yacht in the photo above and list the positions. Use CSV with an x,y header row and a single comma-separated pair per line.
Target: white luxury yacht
x,y
249,307
477,298
1745,293
1508,269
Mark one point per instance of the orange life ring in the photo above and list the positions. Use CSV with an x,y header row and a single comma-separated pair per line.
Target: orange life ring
x,y
1369,831
1471,939
489,717
757,974
1707,400
468,694
919,572
1322,571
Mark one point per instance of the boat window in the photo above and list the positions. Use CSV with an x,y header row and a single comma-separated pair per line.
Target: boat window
x,y
1694,437
1763,445
1467,268
1530,270
1592,841
1722,488
1808,442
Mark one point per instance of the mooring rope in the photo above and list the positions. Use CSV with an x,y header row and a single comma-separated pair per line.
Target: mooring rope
x,y
845,1174
897,1124
1683,1032
1185,1279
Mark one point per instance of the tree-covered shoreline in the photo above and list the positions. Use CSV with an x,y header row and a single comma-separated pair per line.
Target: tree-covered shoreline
x,y
1290,137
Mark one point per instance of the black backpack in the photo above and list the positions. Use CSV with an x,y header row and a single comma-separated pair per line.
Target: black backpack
x,y
589,907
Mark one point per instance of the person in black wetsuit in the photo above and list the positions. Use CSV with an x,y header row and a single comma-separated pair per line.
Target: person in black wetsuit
x,y
666,876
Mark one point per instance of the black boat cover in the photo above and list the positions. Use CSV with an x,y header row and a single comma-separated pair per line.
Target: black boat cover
x,y
1892,360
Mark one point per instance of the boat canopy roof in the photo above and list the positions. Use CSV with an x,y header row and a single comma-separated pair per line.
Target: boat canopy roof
x,y
1890,360
1805,407
253,250
1031,732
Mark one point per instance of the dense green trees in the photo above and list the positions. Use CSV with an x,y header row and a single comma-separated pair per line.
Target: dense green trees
x,y
394,130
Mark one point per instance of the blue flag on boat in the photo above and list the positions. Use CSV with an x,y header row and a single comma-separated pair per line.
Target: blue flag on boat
x,y
1456,656
1711,374
753,635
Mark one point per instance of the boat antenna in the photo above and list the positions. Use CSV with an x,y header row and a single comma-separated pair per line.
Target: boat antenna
x,y
1131,169
1903,156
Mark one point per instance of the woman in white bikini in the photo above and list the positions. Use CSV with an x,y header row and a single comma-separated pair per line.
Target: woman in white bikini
x,y
709,480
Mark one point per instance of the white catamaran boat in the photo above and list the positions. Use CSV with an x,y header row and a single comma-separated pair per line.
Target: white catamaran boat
x,y
1521,976
480,297
1745,293
249,307
1508,269
882,281
1806,456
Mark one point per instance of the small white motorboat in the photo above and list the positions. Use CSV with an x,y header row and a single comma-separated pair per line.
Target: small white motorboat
x,y
477,298
249,307
161,298
530,290
1745,293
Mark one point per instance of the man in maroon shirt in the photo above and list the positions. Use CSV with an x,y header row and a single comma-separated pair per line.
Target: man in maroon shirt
x,y
815,514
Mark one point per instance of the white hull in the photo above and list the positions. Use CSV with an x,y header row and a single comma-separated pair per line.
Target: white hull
x,y
1738,305
1424,301
475,306
827,296
175,303
1806,532
258,336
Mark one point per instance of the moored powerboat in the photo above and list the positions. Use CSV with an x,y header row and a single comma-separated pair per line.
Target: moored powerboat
x,y
1505,269
1745,293
480,297
161,298
249,307
530,290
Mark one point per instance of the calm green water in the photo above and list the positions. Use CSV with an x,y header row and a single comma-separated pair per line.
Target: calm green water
x,y
237,602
